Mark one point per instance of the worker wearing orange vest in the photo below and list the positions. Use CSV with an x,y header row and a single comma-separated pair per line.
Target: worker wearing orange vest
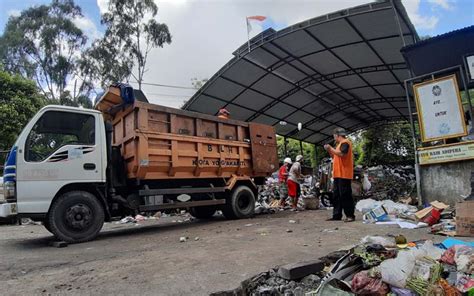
x,y
342,173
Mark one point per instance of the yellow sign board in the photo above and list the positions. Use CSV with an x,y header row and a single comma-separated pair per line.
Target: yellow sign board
x,y
449,153
440,110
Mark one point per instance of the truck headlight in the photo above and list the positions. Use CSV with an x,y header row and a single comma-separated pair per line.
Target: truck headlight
x,y
9,190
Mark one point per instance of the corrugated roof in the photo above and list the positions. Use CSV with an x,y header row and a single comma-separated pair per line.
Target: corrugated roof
x,y
341,69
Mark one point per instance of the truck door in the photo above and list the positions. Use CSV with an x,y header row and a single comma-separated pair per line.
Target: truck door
x,y
264,148
61,147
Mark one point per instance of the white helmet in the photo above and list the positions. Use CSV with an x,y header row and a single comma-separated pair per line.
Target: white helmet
x,y
288,160
299,157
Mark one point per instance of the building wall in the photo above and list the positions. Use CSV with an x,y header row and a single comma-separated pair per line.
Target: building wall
x,y
446,182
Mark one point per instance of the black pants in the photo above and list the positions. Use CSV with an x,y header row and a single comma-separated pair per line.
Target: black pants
x,y
343,199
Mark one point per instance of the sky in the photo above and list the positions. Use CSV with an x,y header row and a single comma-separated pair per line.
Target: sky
x,y
206,32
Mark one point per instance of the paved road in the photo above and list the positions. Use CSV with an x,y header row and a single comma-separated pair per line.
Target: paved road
x,y
150,260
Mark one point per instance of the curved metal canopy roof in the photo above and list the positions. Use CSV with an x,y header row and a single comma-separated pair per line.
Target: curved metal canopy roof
x,y
342,69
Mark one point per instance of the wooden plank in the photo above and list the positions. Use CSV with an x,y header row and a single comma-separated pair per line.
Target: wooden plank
x,y
197,170
188,113
174,158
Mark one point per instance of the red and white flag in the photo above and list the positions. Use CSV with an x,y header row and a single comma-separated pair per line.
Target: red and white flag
x,y
259,18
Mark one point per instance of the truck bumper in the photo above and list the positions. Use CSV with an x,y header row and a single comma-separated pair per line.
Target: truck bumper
x,y
8,210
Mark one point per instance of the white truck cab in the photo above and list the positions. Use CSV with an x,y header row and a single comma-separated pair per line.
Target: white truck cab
x,y
61,147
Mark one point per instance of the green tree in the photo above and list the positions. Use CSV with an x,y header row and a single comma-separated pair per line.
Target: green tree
x,y
131,33
385,144
312,156
42,44
19,101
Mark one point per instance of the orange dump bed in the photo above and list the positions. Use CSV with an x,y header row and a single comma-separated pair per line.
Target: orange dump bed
x,y
165,143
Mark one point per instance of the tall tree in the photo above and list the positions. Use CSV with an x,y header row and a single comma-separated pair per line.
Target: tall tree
x,y
131,33
385,144
42,44
19,101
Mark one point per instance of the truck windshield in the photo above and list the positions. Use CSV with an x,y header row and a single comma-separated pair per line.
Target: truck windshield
x,y
56,129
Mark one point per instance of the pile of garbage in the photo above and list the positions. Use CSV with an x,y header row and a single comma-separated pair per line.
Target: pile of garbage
x,y
376,266
383,266
269,199
387,212
390,182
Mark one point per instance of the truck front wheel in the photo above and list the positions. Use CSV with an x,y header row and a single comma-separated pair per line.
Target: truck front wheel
x,y
240,203
76,217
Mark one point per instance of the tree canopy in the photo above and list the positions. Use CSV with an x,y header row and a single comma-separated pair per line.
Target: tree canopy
x,y
42,43
19,101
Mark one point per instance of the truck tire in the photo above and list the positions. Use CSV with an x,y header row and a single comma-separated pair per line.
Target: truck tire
x,y
203,212
76,217
240,203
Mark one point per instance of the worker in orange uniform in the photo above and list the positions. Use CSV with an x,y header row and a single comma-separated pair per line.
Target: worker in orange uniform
x,y
223,113
294,179
343,173
282,178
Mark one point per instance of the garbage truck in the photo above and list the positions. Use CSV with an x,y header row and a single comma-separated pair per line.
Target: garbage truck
x,y
74,168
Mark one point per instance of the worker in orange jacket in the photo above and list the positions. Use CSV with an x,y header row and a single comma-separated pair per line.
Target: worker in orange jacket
x,y
342,173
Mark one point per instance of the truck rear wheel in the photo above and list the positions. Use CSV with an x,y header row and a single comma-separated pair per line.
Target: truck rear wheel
x,y
76,217
240,203
203,212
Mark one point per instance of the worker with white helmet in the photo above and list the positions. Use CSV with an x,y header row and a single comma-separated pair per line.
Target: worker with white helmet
x,y
294,179
282,178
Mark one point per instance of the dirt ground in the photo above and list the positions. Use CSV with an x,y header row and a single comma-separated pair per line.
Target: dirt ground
x,y
149,259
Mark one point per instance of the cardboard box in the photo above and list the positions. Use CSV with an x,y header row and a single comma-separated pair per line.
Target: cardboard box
x,y
377,214
465,218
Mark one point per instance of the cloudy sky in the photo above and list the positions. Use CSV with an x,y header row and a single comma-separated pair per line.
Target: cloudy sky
x,y
206,32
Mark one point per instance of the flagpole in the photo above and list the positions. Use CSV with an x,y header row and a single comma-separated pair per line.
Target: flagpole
x,y
248,33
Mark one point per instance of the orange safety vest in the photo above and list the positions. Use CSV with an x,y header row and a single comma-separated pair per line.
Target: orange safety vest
x,y
343,166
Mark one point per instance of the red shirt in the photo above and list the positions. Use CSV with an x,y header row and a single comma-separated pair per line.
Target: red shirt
x,y
283,174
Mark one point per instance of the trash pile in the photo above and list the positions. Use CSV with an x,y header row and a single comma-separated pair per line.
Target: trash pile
x,y
269,198
391,182
380,266
387,212
376,266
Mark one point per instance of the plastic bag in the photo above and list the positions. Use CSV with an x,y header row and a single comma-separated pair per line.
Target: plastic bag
x,y
377,240
464,259
363,284
402,292
464,282
448,256
396,271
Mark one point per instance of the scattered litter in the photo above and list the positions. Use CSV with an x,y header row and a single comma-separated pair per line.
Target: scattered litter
x,y
196,238
248,225
183,239
126,220
139,218
28,221
289,230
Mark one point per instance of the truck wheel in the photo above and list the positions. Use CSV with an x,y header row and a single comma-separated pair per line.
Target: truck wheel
x,y
240,204
203,212
76,217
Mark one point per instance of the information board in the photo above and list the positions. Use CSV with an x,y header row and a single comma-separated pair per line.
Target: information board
x,y
461,151
440,111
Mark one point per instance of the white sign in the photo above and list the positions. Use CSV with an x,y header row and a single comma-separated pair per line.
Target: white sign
x,y
470,66
440,111
450,153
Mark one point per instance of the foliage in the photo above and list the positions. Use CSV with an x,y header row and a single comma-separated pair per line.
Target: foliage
x,y
19,101
42,44
198,83
131,33
311,155
384,145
